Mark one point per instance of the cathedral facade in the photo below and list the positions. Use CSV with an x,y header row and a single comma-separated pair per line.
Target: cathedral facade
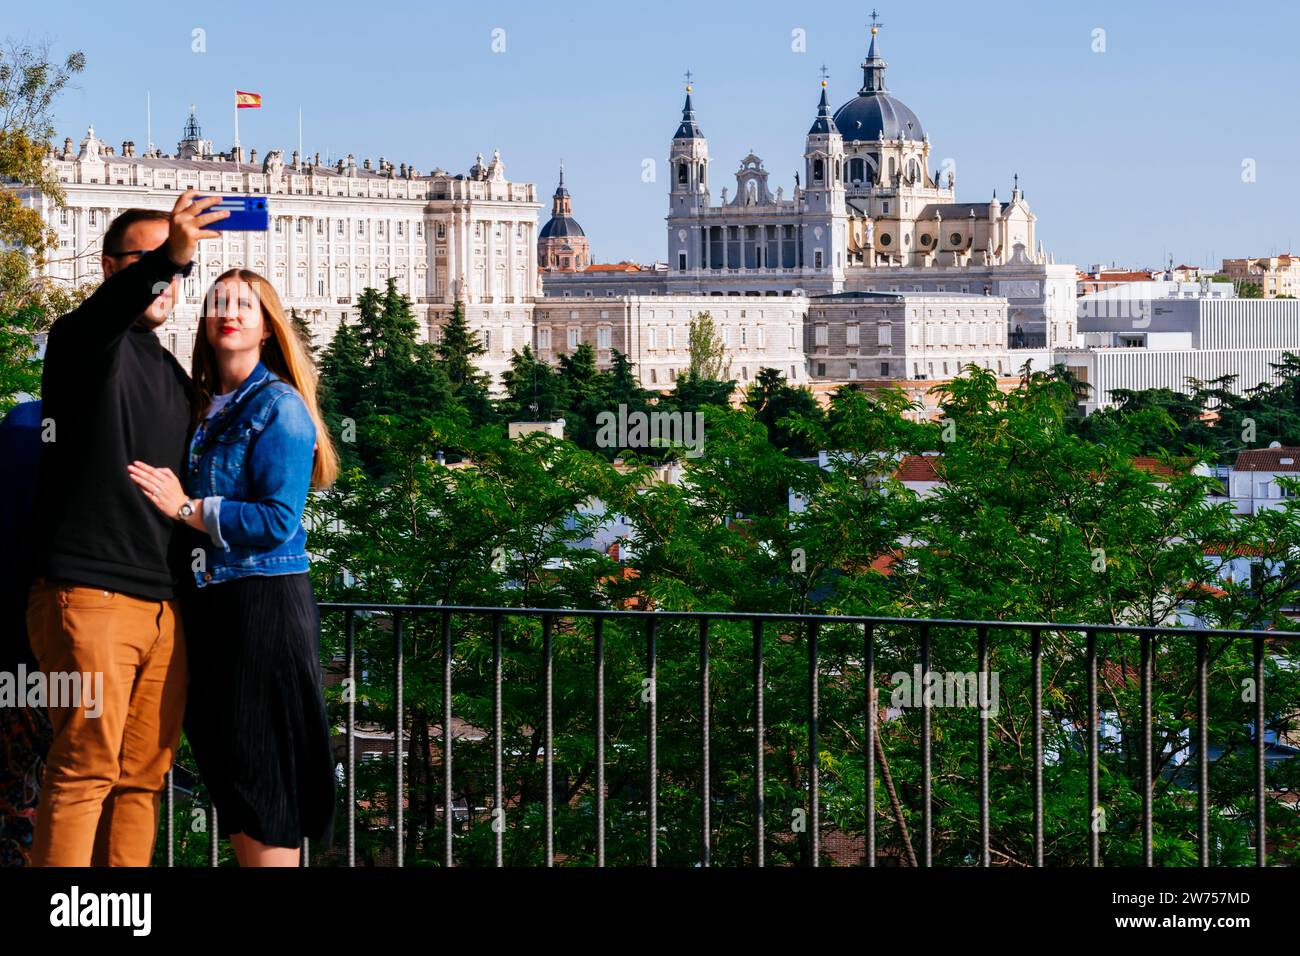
x,y
869,213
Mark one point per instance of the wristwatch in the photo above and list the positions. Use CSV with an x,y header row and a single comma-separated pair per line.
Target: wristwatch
x,y
185,510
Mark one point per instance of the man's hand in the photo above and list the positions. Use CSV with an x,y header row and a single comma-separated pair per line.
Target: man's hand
x,y
188,222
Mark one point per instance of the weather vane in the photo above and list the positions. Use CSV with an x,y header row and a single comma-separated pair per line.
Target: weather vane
x,y
875,21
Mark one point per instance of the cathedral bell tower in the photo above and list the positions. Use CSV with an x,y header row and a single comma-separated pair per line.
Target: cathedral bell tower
x,y
824,212
688,196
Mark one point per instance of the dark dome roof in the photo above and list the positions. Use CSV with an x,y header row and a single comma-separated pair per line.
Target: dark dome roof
x,y
873,112
560,226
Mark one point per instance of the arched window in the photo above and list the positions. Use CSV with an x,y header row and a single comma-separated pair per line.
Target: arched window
x,y
819,170
857,170
683,174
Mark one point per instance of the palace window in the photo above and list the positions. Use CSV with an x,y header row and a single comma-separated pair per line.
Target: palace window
x,y
575,335
340,229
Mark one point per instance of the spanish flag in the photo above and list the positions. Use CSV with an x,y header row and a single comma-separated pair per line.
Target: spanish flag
x,y
247,101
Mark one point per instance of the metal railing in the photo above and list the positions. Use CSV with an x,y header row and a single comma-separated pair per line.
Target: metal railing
x,y
790,630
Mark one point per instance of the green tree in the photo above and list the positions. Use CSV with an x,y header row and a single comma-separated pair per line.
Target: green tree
x,y
376,373
710,359
457,351
774,402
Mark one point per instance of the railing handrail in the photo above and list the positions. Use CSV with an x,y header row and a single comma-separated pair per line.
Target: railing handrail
x,y
794,616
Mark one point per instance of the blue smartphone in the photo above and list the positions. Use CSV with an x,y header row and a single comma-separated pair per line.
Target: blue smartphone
x,y
247,214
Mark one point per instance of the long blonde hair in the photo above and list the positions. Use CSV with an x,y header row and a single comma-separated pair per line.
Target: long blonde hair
x,y
284,353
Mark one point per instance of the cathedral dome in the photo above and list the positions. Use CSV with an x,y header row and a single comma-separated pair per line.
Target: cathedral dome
x,y
558,226
561,225
874,112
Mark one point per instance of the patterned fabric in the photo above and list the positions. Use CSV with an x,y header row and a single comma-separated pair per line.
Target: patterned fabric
x,y
25,736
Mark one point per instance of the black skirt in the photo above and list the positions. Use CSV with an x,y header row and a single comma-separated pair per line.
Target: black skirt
x,y
255,714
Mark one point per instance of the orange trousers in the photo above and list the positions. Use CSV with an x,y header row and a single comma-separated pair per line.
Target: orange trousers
x,y
105,772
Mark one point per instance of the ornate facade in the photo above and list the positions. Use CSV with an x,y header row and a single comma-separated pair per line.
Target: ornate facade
x,y
335,229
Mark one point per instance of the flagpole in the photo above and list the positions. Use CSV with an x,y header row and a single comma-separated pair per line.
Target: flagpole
x,y
148,122
300,156
236,149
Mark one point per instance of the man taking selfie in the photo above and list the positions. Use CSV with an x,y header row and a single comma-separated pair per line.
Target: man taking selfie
x,y
102,601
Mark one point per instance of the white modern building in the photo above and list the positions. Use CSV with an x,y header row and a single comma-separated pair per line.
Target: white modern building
x,y
1142,335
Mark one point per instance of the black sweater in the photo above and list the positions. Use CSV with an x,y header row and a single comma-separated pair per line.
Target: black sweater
x,y
115,395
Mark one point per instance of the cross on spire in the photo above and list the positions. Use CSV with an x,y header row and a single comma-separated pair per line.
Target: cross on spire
x,y
825,74
689,76
875,21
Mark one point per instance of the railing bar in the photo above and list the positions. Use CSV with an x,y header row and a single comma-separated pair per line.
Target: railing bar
x,y
927,810
171,817
399,721
652,742
984,704
1148,856
1004,625
600,740
1202,750
1036,652
760,837
869,669
1094,758
548,664
1261,821
814,753
214,836
448,795
498,789
350,767
706,790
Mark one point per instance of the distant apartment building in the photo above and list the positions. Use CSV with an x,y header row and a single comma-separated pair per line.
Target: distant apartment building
x,y
1253,479
1275,275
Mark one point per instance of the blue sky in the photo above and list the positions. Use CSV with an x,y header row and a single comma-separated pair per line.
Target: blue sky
x,y
1129,155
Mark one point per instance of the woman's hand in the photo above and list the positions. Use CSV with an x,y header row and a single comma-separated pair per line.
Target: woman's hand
x,y
161,486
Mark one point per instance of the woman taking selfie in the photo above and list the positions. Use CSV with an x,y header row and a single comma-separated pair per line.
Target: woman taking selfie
x,y
256,714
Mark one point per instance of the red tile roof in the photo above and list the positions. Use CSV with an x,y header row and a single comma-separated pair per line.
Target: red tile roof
x,y
1155,466
918,468
1269,459
613,267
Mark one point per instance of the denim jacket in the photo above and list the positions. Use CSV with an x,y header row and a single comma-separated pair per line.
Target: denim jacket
x,y
251,464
